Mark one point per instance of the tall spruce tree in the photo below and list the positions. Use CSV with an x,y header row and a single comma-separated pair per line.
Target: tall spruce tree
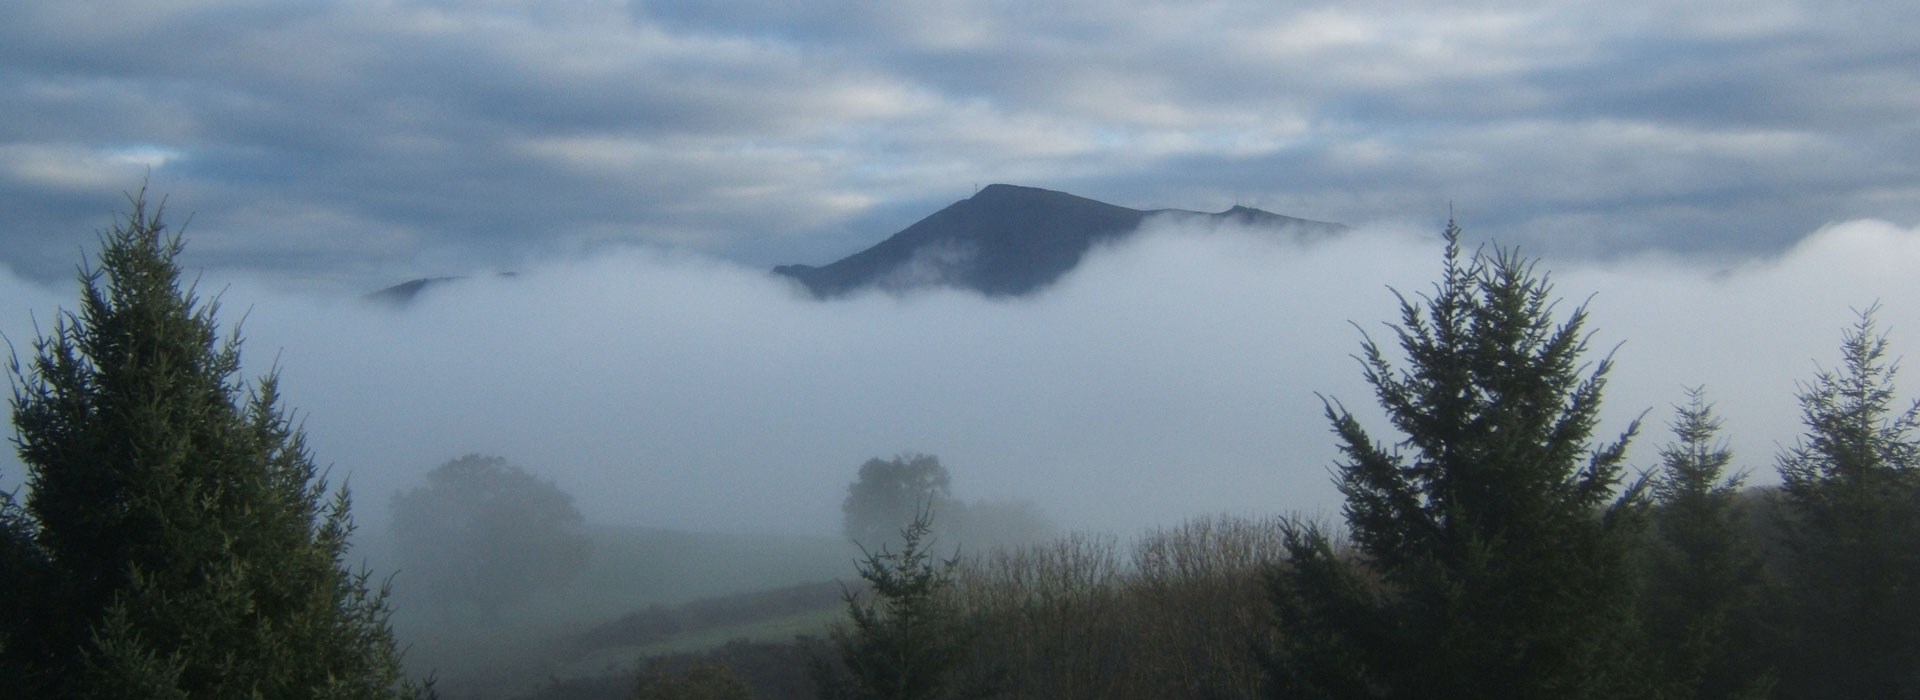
x,y
902,640
1851,491
1491,552
191,548
1703,574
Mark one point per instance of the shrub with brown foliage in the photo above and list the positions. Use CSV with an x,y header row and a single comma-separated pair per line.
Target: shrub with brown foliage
x,y
1179,615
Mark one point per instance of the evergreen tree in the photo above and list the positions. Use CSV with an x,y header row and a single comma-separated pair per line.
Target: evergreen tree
x,y
1851,490
191,547
902,640
1703,575
22,569
1492,557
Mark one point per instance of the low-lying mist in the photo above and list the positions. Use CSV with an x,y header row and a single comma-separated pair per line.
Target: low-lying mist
x,y
1170,376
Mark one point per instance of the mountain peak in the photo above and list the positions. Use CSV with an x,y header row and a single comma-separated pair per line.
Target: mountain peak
x,y
1005,240
1001,191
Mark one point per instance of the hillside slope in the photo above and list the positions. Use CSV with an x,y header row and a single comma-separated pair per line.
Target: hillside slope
x,y
1006,240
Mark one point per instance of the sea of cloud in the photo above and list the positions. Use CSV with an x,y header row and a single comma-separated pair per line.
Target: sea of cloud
x,y
1177,374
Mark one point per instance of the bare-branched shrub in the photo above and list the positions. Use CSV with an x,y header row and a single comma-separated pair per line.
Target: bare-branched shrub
x,y
1180,614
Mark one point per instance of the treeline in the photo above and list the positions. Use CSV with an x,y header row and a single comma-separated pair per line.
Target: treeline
x,y
1491,548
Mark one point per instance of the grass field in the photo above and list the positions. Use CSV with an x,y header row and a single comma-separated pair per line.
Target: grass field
x,y
654,578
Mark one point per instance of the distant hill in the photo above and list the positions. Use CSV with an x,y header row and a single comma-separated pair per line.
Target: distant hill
x,y
405,293
1006,240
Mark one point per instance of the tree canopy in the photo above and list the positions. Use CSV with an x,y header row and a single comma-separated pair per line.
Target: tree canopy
x,y
888,493
1703,574
182,542
903,639
485,535
1851,491
1489,543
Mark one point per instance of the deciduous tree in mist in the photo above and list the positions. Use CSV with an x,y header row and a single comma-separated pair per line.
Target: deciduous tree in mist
x,y
484,535
1492,552
178,540
1851,488
888,493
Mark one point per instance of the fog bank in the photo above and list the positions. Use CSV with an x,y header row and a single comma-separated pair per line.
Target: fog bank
x,y
1173,375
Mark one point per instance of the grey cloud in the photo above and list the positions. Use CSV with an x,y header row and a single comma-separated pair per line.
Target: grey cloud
x,y
377,143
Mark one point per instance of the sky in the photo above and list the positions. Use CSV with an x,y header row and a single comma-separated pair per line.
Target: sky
x,y
348,145
1723,183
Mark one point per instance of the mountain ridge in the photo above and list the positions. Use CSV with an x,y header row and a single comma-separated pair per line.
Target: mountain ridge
x,y
1004,241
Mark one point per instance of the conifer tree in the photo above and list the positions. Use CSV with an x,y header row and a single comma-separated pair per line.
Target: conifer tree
x,y
902,640
191,547
22,568
1703,575
1851,491
1491,555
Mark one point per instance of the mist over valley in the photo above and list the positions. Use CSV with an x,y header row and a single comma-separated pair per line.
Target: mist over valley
x,y
684,430
1174,373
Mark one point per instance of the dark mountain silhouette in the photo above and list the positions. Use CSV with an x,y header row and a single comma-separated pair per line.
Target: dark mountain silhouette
x,y
1005,241
405,293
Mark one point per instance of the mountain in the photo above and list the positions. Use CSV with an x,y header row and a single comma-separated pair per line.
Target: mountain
x,y
404,293
1006,240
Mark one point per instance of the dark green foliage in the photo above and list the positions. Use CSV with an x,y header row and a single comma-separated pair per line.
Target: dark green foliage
x,y
1703,573
1851,491
886,495
23,569
902,640
189,543
1492,553
483,535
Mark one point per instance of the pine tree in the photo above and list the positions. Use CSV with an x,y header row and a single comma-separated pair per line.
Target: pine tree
x,y
1851,491
1703,575
23,567
1491,553
192,548
902,640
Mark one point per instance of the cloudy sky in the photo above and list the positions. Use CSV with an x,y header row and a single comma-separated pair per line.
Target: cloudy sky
x,y
358,143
